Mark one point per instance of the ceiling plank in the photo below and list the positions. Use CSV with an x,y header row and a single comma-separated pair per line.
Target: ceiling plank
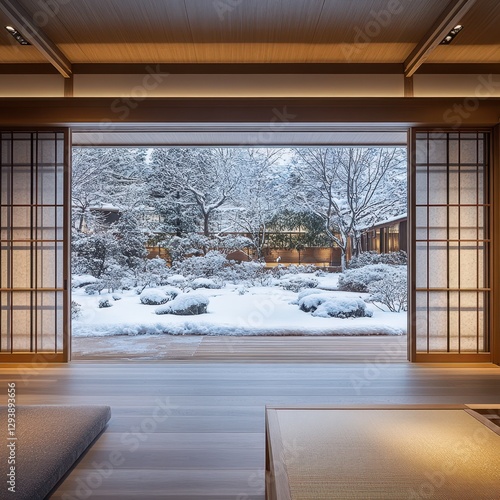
x,y
25,24
449,18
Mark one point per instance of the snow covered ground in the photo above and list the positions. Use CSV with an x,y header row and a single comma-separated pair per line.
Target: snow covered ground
x,y
257,310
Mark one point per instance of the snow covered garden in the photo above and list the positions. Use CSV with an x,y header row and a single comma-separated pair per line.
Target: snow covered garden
x,y
177,241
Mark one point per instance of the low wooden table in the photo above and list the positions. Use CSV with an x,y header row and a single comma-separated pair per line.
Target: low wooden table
x,y
383,452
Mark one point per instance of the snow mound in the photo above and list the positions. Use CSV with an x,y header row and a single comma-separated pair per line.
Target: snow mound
x,y
104,303
342,308
77,281
311,301
322,305
305,293
205,283
159,296
185,304
176,280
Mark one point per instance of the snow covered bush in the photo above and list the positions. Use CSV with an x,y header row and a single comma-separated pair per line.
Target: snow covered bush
x,y
339,307
310,302
177,280
115,296
253,273
357,280
79,281
104,303
369,258
94,288
76,309
153,272
154,297
205,283
210,265
325,305
185,304
391,290
296,283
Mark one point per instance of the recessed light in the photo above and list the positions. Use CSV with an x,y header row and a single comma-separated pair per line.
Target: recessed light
x,y
20,39
451,35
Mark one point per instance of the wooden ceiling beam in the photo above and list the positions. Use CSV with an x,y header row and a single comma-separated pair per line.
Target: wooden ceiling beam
x,y
25,24
449,18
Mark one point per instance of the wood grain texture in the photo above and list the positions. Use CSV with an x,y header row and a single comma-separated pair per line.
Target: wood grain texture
x,y
230,349
195,430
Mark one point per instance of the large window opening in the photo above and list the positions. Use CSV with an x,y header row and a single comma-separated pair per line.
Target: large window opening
x,y
186,243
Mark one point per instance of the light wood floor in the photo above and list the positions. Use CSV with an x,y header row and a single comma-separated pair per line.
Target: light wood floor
x,y
207,442
223,348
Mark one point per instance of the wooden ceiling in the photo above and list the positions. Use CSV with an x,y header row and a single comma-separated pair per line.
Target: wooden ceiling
x,y
251,31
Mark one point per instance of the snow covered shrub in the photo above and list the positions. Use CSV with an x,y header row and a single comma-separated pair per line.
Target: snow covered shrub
x,y
297,283
311,301
153,272
154,297
281,270
305,268
324,305
306,292
104,303
186,304
205,283
339,307
369,258
115,296
76,309
252,272
210,265
94,288
391,290
79,281
177,280
357,280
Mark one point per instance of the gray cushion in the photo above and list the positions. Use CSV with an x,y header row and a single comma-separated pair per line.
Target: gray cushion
x,y
50,439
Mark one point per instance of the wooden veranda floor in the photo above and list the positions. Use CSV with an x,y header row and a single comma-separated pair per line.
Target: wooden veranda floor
x,y
383,349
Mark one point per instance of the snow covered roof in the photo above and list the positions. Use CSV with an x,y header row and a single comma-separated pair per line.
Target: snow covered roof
x,y
107,207
396,218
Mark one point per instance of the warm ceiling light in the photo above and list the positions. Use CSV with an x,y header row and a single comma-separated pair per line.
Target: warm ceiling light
x,y
452,34
20,39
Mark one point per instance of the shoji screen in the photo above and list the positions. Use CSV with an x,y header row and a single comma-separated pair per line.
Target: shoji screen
x,y
34,199
451,247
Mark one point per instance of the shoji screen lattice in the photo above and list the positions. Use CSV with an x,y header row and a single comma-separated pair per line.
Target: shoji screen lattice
x,y
34,196
451,289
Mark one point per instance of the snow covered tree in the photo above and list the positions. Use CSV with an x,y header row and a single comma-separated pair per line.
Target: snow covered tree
x,y
350,189
260,195
104,177
201,178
